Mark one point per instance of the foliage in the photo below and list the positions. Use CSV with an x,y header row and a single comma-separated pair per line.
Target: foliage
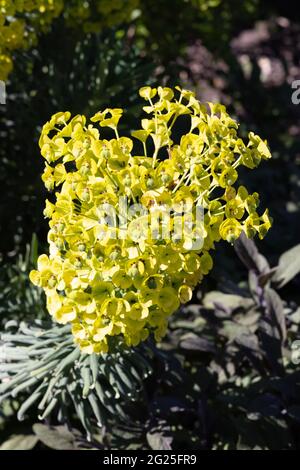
x,y
22,23
65,383
230,377
195,19
18,298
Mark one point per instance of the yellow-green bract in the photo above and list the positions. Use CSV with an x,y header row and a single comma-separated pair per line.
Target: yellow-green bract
x,y
107,282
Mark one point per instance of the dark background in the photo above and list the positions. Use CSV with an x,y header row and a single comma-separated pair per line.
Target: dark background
x,y
232,382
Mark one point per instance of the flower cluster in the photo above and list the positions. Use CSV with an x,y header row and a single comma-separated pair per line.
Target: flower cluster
x,y
124,280
19,21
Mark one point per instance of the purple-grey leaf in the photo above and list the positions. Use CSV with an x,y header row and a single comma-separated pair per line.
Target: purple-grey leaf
x,y
288,266
249,254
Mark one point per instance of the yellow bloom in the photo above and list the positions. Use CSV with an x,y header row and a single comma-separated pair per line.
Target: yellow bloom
x,y
230,230
126,245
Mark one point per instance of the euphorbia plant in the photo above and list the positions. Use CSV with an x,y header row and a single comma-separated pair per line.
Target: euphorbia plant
x,y
126,243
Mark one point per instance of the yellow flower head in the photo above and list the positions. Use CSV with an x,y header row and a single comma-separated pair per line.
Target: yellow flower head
x,y
130,236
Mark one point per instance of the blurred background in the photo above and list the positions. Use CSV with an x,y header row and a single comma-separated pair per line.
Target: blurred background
x,y
231,375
